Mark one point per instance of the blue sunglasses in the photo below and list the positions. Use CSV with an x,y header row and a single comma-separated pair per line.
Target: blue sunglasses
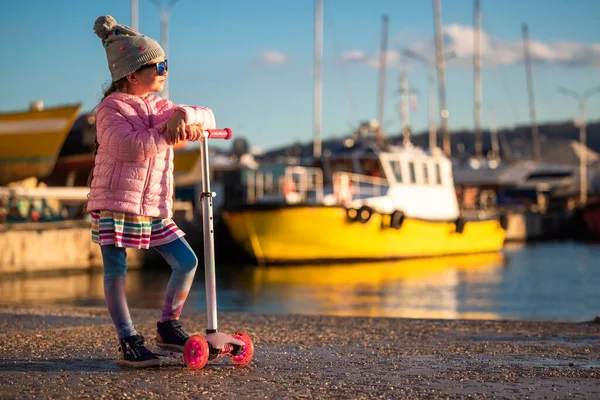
x,y
161,67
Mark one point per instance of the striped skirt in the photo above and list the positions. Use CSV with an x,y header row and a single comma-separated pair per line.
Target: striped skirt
x,y
133,231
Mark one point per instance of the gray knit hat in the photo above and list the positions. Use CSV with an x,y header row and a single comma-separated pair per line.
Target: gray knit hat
x,y
126,49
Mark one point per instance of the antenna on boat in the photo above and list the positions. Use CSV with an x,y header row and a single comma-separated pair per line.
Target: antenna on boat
x,y
165,13
430,65
534,128
405,93
317,84
382,70
477,93
494,138
441,72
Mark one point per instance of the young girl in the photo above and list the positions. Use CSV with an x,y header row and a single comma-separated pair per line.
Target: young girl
x,y
131,188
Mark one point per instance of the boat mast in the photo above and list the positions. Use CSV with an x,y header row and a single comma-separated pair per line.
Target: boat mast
x,y
534,128
441,72
477,93
317,84
382,70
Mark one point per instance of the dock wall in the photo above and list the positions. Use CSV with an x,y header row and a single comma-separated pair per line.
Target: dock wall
x,y
46,246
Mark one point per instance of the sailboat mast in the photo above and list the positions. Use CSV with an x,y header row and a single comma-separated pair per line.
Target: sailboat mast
x,y
317,84
441,71
534,127
478,145
382,69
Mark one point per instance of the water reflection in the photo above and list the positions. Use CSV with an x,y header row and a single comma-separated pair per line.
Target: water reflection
x,y
419,288
551,281
61,288
425,288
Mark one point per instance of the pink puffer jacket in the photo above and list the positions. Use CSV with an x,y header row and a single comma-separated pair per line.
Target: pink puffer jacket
x,y
133,169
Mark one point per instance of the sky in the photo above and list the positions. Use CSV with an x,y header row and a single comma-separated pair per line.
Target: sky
x,y
251,61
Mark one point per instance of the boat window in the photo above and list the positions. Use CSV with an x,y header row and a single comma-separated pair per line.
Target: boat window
x,y
371,167
549,175
396,167
425,174
438,174
341,165
413,173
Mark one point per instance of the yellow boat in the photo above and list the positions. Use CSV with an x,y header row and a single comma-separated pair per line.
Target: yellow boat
x,y
185,158
305,233
30,141
405,208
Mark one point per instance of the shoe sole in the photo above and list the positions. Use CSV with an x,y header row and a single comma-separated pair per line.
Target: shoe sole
x,y
140,364
172,347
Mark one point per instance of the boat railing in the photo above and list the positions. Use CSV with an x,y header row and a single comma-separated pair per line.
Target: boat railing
x,y
296,184
22,204
350,186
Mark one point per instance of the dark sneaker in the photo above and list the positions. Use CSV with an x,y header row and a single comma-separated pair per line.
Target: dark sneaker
x,y
135,354
170,335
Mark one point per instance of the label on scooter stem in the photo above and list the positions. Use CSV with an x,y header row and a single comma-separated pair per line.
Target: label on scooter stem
x,y
208,194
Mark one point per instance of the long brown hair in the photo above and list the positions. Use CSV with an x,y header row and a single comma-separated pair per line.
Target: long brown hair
x,y
117,86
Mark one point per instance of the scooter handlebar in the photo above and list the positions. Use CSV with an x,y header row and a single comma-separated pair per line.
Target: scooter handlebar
x,y
219,133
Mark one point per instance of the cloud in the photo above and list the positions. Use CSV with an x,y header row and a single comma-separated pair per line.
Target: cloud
x,y
273,57
353,56
495,51
372,60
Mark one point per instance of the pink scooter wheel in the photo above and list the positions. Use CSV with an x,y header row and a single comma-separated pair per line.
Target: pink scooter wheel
x,y
195,352
248,349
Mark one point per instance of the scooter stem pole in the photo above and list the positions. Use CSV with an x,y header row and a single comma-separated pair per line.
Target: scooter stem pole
x,y
209,242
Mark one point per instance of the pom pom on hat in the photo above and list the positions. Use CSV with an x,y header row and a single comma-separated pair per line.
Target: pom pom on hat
x,y
104,25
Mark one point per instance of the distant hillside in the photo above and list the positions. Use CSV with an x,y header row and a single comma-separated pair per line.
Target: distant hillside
x,y
514,143
518,141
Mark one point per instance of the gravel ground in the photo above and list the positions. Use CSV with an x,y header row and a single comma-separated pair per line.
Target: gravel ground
x,y
51,352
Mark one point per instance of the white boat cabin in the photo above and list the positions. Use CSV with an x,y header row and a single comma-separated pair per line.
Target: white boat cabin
x,y
416,182
407,178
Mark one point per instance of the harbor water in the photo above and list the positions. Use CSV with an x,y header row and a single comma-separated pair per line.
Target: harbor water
x,y
554,281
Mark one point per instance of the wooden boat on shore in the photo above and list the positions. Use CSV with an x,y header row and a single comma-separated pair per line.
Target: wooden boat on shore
x,y
30,141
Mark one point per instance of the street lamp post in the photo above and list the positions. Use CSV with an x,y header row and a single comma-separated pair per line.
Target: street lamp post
x,y
581,100
165,13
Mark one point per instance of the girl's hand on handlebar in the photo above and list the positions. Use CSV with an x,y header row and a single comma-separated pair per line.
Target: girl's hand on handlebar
x,y
175,128
194,132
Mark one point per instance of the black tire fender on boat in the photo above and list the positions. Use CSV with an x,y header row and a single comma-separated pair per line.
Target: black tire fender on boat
x,y
460,224
364,214
351,214
504,221
396,219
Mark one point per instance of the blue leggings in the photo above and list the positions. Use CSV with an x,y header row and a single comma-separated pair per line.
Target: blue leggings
x,y
183,262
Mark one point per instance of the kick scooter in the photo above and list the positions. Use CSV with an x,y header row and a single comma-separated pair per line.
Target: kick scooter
x,y
198,349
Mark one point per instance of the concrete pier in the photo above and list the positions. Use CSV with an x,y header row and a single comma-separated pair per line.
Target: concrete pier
x,y
34,247
530,226
69,353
